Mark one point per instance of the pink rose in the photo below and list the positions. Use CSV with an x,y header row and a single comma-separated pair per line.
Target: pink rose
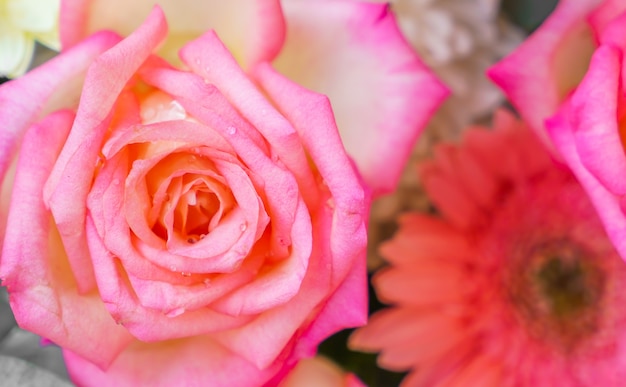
x,y
588,130
351,51
177,227
543,70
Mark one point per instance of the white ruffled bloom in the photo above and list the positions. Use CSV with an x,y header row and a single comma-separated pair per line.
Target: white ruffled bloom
x,y
22,22
459,40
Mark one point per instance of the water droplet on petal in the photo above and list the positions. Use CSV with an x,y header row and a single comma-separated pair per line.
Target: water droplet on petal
x,y
207,282
330,203
173,268
207,69
197,61
192,240
231,130
116,181
243,227
175,312
185,274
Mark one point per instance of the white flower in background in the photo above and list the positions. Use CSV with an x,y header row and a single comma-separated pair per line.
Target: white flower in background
x,y
22,22
459,40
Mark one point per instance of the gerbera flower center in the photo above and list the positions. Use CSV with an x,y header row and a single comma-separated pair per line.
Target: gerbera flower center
x,y
564,286
557,293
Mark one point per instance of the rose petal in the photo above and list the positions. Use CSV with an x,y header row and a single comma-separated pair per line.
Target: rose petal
x,y
381,93
208,57
253,29
144,323
63,195
597,133
44,297
609,206
279,185
345,308
206,363
23,99
548,64
313,119
605,14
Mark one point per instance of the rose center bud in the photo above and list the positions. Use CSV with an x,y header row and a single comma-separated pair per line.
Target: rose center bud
x,y
189,197
557,293
189,194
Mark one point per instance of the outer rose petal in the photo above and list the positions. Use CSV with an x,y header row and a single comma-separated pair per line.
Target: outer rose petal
x,y
610,206
253,29
63,195
205,363
25,98
542,71
381,93
347,306
44,297
587,133
597,133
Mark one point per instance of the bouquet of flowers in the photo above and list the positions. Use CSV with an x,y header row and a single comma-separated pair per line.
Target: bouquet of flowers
x,y
312,193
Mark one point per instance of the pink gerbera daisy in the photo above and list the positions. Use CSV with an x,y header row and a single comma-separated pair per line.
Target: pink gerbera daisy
x,y
516,284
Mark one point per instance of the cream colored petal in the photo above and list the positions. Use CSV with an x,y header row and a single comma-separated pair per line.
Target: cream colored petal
x,y
16,51
33,15
49,39
251,29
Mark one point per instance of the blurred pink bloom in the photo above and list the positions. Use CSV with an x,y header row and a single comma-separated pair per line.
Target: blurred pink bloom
x,y
543,70
515,285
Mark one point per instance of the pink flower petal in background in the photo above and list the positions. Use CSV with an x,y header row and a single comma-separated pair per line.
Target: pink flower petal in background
x,y
380,91
545,68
